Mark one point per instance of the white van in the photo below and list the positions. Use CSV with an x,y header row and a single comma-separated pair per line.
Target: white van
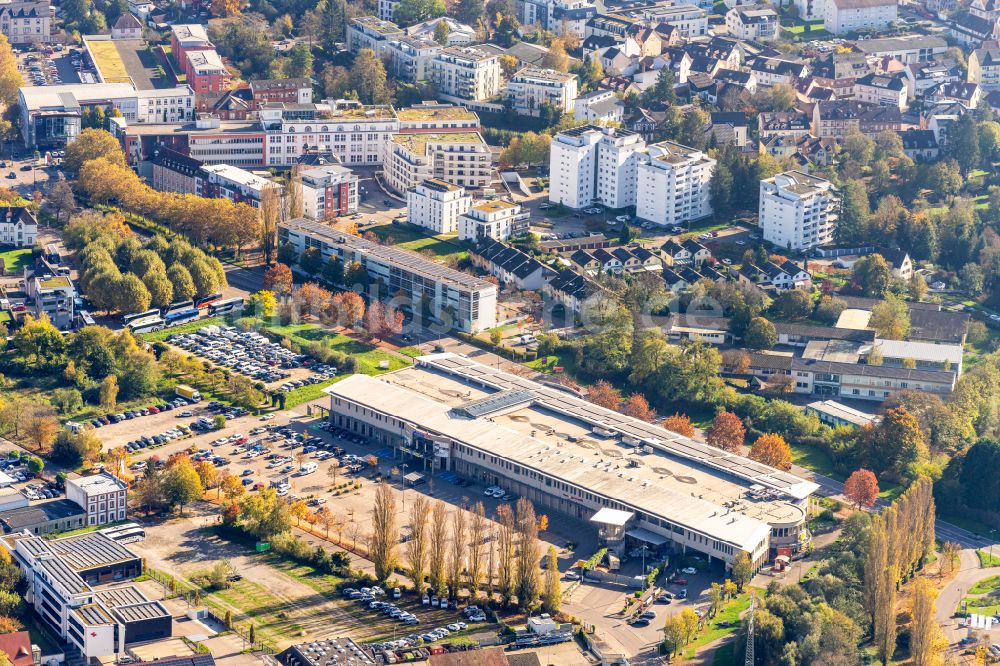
x,y
308,468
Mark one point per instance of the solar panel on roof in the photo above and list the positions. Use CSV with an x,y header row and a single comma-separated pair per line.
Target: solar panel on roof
x,y
494,403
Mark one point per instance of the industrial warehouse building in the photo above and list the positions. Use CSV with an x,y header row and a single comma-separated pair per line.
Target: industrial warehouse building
x,y
569,455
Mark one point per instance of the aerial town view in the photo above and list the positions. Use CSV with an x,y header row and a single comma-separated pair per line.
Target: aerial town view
x,y
499,332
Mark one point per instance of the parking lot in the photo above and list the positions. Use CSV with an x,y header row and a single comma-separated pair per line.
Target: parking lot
x,y
252,355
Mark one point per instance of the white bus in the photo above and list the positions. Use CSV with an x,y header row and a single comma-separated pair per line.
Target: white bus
x,y
147,325
225,307
124,530
140,315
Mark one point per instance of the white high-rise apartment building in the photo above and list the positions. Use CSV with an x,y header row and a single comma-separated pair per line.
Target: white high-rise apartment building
x,y
437,204
797,211
496,219
466,73
591,164
673,185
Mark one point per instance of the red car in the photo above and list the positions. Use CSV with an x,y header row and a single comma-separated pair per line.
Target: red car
x,y
680,581
258,486
153,410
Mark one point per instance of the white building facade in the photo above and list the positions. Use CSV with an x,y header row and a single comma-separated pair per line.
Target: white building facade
x,y
673,184
591,164
532,88
101,495
843,16
466,73
496,219
328,191
436,205
797,210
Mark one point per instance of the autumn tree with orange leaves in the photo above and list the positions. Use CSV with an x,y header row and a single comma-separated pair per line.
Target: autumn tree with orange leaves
x,y
638,407
861,488
726,432
602,393
679,423
772,449
278,279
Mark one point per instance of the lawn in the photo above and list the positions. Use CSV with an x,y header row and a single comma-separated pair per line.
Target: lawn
x,y
190,327
988,560
251,602
713,632
970,608
815,459
412,352
412,237
308,393
369,357
986,585
108,61
548,364
14,260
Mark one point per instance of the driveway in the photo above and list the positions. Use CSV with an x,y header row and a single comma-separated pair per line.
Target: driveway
x,y
968,575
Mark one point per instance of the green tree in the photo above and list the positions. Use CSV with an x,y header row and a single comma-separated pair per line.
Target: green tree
x,y
262,304
333,18
181,281
409,12
109,393
161,291
894,445
311,261
300,63
67,401
872,275
742,570
38,341
760,334
368,78
890,318
552,594
91,144
181,484
131,294
854,214
793,304
441,32
963,143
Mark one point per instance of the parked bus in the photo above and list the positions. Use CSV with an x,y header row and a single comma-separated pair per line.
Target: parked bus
x,y
85,318
140,315
108,531
205,301
127,533
182,316
147,325
180,305
225,307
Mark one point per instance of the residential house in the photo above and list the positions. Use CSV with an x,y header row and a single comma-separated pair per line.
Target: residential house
x,y
532,89
673,184
882,90
837,119
758,24
984,66
497,219
772,71
510,265
729,127
798,211
570,289
843,16
920,145
967,94
18,226
794,124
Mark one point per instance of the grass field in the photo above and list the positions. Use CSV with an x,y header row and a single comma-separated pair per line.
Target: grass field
x,y
308,393
815,459
14,260
713,632
250,602
411,237
369,357
986,585
987,560
108,61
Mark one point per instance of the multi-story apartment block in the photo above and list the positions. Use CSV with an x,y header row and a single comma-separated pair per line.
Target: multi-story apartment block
x,y
454,299
690,20
798,211
409,58
175,172
288,91
532,88
837,119
758,24
459,158
882,89
102,496
793,124
590,164
811,10
673,184
328,191
496,219
224,181
187,38
436,205
206,72
354,133
466,73
984,66
26,22
368,32
459,34
841,16
50,293
18,226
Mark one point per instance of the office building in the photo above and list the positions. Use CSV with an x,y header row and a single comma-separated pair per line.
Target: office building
x,y
206,72
224,181
459,158
675,494
531,89
436,205
285,91
103,496
454,299
18,226
798,211
466,73
175,172
673,184
328,191
496,219
592,164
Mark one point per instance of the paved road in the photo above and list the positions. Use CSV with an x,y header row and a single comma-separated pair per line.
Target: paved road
x,y
968,575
